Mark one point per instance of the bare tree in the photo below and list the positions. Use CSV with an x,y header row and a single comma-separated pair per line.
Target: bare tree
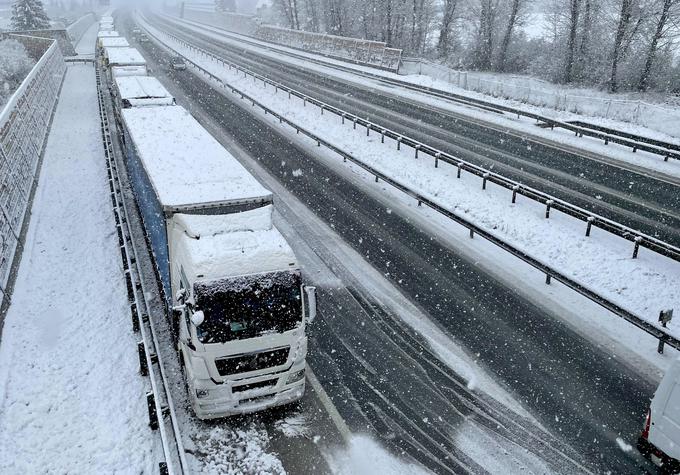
x,y
487,19
445,28
657,36
574,8
586,28
624,21
505,43
289,8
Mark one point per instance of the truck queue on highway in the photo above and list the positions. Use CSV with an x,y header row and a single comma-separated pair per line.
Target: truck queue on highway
x,y
231,283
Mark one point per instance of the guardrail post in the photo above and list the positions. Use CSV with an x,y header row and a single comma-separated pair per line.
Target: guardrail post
x,y
665,316
548,279
460,166
472,233
484,178
354,123
590,225
151,406
638,240
135,320
321,110
382,136
514,193
143,365
417,149
437,156
304,102
398,143
548,204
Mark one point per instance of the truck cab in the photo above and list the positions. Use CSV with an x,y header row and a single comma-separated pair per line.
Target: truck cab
x,y
240,312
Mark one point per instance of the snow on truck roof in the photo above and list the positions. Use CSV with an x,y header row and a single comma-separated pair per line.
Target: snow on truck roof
x,y
233,245
187,167
113,42
108,34
132,88
124,56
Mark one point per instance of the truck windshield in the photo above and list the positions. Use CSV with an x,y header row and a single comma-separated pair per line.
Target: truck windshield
x,y
248,306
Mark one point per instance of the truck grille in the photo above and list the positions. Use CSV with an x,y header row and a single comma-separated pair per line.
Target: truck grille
x,y
270,383
252,361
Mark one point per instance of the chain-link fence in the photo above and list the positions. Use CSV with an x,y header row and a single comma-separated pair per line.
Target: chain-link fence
x,y
24,124
544,94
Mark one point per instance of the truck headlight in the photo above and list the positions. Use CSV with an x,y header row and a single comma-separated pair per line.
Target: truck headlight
x,y
202,393
296,376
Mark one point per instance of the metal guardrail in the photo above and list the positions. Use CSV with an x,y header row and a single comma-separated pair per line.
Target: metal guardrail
x,y
159,400
591,219
24,127
661,334
635,137
635,142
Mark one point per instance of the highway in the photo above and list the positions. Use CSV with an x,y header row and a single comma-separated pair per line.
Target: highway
x,y
642,201
382,377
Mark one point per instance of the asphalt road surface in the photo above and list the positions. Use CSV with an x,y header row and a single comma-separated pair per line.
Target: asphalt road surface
x,y
381,376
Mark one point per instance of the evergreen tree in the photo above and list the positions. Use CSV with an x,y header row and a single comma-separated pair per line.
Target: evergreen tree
x,y
29,15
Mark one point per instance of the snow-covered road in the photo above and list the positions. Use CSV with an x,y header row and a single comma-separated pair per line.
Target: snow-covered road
x,y
71,398
602,262
87,43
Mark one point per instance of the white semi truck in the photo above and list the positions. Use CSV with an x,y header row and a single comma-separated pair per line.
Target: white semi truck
x,y
231,281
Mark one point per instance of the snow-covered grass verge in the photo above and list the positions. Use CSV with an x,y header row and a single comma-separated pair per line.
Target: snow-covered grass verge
x,y
602,262
71,399
505,122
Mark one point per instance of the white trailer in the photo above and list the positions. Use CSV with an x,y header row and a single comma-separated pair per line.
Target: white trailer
x,y
113,42
108,34
124,62
140,91
231,281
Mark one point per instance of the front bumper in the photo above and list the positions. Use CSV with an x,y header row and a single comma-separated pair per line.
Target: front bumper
x,y
222,401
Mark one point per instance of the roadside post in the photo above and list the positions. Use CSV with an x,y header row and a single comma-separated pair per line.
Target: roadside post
x,y
665,316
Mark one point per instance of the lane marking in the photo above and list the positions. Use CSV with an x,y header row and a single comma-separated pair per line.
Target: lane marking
x,y
326,402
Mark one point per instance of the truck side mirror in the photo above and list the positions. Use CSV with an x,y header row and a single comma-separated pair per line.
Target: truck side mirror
x,y
311,303
197,318
181,295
